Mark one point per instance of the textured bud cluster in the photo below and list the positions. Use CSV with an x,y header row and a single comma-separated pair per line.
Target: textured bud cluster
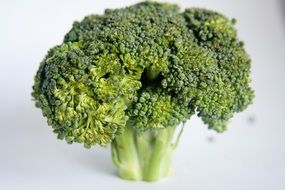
x,y
149,65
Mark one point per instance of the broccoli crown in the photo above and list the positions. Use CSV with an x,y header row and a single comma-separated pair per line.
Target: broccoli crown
x,y
148,65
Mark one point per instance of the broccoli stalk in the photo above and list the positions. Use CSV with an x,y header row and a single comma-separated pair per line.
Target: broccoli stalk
x,y
144,155
129,77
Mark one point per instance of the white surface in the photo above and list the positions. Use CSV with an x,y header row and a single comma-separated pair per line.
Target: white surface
x,y
247,156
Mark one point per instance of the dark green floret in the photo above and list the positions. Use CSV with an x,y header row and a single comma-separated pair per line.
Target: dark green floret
x,y
129,77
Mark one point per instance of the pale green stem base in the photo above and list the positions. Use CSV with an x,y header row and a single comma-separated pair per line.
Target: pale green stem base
x,y
144,155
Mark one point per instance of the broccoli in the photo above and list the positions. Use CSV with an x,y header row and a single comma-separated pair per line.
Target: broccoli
x,y
129,77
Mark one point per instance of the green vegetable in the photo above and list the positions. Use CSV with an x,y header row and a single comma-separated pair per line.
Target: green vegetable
x,y
129,77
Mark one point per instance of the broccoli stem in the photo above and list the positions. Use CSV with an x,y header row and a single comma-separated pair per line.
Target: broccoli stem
x,y
159,163
125,157
144,155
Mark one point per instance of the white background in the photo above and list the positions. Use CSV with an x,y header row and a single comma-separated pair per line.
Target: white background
x,y
249,156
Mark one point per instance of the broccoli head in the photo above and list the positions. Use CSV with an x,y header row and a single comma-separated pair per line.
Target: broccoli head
x,y
131,76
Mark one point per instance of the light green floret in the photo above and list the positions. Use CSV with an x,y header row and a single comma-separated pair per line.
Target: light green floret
x,y
86,98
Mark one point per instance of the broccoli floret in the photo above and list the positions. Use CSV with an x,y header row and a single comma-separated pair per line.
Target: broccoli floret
x,y
131,76
154,108
84,102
